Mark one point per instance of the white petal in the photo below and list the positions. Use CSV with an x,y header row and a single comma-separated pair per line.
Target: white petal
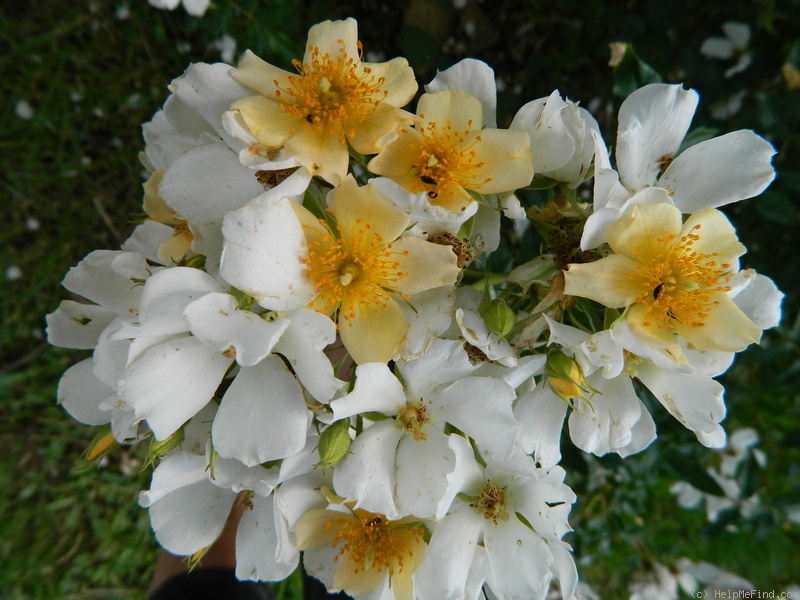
x,y
519,559
544,504
263,255
761,302
486,228
481,408
605,353
258,537
566,571
368,472
77,325
450,555
474,77
262,416
171,382
719,171
715,47
206,182
429,318
445,362
172,473
421,472
166,295
210,90
147,238
603,424
738,33
467,476
216,321
303,344
476,333
552,144
607,189
376,390
652,122
542,414
96,279
81,394
192,517
643,433
694,399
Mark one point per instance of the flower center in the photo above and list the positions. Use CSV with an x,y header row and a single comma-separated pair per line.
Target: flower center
x,y
359,271
681,286
491,503
374,542
446,159
332,93
413,418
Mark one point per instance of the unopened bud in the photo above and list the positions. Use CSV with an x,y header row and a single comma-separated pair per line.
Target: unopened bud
x,y
101,445
564,375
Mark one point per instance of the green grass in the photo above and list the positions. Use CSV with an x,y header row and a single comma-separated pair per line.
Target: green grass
x,y
70,180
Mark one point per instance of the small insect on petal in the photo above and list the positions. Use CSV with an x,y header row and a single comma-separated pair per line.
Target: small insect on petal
x,y
334,443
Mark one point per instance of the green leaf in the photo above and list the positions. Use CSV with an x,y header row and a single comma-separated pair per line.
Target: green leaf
x,y
631,73
774,206
693,473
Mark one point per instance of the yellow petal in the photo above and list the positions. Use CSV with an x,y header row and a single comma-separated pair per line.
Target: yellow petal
x,y
399,80
373,334
716,235
174,248
611,281
312,528
355,579
154,204
266,121
371,133
647,232
397,159
428,265
725,329
463,111
357,207
331,36
504,159
259,75
322,152
655,334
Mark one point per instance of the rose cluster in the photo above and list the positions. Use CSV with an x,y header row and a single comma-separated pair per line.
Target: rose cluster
x,y
306,323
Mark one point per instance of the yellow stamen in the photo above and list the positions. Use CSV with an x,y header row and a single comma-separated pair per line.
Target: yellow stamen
x,y
358,270
491,503
374,542
680,286
445,158
413,418
335,94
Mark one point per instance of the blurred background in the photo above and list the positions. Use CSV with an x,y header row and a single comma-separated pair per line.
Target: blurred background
x,y
77,80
